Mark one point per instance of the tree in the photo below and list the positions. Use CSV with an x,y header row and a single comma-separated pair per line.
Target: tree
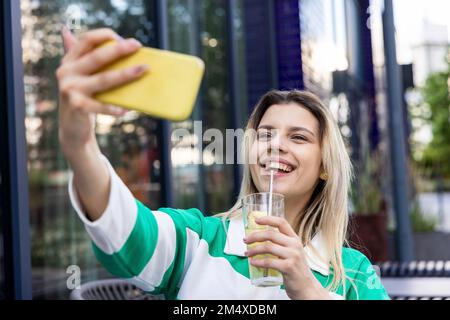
x,y
436,96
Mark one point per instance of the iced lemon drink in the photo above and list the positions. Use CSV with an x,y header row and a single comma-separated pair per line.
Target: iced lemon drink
x,y
261,276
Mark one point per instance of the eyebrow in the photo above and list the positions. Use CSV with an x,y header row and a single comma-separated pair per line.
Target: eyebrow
x,y
269,127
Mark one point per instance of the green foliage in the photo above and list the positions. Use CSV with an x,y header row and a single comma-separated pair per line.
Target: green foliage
x,y
437,97
420,222
366,193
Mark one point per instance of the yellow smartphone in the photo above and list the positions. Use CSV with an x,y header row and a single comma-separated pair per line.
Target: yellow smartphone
x,y
168,90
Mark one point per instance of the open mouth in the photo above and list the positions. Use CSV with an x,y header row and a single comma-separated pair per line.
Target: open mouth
x,y
280,168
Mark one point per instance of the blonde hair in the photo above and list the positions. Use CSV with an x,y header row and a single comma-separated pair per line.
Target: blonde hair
x,y
327,209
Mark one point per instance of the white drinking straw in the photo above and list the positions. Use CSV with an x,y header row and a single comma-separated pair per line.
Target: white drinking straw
x,y
270,191
269,213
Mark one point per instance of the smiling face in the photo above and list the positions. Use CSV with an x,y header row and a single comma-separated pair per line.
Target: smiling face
x,y
287,138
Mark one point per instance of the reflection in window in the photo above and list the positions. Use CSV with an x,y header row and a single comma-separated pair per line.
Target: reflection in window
x,y
185,153
200,28
216,102
322,33
131,142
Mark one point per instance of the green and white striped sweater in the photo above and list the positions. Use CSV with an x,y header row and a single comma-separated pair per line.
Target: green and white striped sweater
x,y
185,255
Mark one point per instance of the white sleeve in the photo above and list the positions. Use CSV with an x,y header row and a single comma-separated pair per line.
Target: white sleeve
x,y
111,230
136,239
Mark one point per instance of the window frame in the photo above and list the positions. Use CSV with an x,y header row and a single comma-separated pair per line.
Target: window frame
x,y
13,162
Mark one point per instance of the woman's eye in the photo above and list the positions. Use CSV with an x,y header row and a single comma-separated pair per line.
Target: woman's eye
x,y
263,135
299,138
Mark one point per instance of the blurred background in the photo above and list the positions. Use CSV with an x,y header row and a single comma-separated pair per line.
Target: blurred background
x,y
338,49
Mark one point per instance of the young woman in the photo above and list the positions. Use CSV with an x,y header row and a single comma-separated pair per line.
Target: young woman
x,y
182,253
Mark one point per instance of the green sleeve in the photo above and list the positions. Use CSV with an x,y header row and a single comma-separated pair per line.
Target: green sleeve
x,y
365,284
155,251
183,219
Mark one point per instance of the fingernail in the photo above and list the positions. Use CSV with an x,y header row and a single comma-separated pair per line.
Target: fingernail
x,y
64,33
139,69
134,43
119,38
66,30
116,110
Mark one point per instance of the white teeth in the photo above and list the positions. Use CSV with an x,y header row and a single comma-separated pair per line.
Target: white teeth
x,y
279,166
273,165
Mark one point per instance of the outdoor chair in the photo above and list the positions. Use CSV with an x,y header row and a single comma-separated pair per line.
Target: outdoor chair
x,y
394,269
416,280
111,289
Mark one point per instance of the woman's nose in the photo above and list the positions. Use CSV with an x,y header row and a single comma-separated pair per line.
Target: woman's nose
x,y
277,144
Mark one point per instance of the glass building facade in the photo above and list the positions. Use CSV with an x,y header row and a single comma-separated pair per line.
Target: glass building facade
x,y
249,47
136,145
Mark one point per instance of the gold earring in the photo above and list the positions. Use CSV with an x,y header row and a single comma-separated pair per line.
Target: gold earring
x,y
324,176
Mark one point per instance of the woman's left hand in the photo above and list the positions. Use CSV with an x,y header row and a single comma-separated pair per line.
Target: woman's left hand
x,y
299,281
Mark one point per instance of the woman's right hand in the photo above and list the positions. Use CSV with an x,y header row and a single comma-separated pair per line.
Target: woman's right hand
x,y
78,83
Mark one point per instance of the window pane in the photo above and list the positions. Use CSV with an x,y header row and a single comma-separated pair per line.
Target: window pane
x,y
216,109
238,25
131,142
185,153
201,178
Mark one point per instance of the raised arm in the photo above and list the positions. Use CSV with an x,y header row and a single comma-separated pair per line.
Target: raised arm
x,y
77,108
